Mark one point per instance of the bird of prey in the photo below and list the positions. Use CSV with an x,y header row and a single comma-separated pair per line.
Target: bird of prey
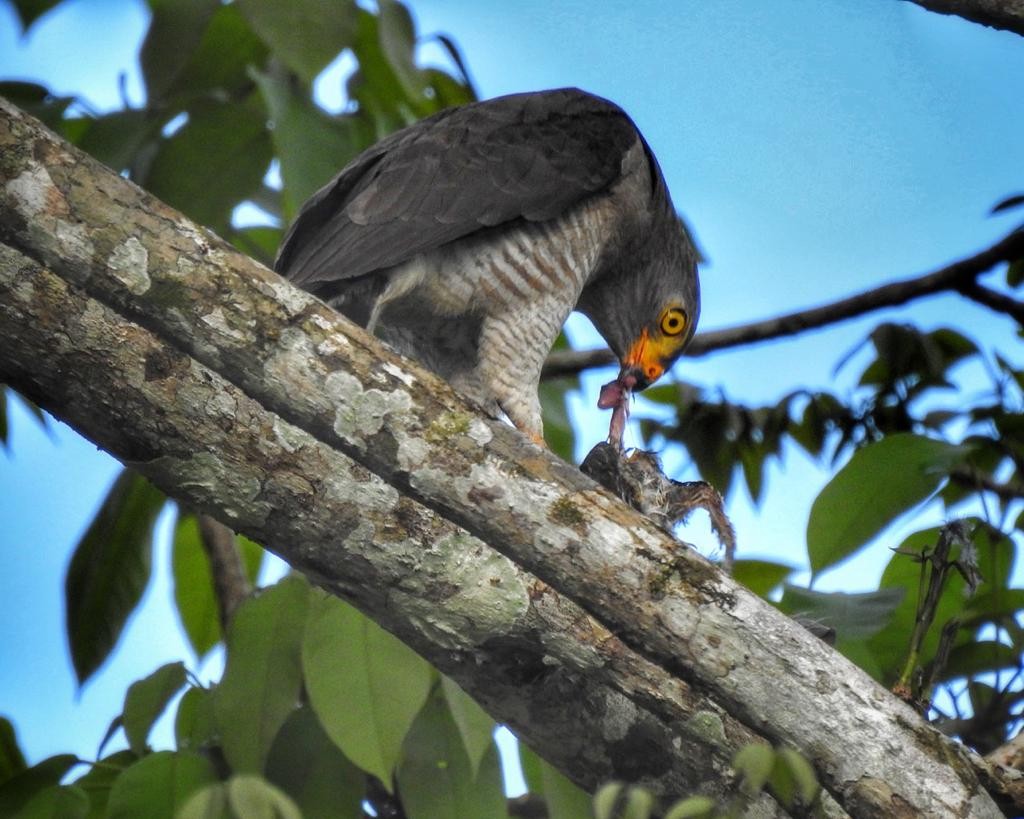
x,y
466,239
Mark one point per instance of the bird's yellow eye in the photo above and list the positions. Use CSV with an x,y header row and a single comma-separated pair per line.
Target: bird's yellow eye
x,y
673,321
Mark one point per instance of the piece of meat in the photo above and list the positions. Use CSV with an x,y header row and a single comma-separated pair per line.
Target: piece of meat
x,y
615,396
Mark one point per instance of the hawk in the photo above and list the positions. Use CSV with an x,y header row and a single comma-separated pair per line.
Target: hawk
x,y
466,239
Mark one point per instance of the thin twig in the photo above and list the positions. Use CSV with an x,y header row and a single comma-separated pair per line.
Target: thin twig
x,y
994,299
958,276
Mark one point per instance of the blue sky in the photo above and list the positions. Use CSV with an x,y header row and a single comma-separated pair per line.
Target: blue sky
x,y
817,147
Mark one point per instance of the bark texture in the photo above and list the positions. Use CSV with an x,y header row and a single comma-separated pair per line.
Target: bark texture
x,y
249,399
522,649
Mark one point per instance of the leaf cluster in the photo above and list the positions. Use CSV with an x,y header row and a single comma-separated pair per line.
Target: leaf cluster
x,y
319,712
782,772
230,116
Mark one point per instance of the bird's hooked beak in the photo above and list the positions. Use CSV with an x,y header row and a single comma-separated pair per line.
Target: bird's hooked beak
x,y
644,364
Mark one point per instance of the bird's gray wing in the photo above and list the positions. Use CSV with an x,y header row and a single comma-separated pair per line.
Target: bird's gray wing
x,y
526,156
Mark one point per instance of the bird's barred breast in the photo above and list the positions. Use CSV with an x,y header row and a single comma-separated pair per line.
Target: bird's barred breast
x,y
495,270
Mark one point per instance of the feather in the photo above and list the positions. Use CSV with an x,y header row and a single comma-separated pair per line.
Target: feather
x,y
531,156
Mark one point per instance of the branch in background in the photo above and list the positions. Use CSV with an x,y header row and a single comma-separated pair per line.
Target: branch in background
x,y
230,585
959,276
994,300
1007,15
299,429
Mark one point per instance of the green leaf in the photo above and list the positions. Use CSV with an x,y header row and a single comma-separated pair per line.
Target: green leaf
x,y
606,800
158,784
9,396
435,777
253,797
213,162
981,696
252,557
17,791
209,802
994,606
311,146
805,787
708,430
448,91
305,764
754,763
853,616
146,700
563,798
377,87
195,724
752,459
760,576
12,761
55,802
193,586
1015,273
263,676
36,100
639,803
116,139
609,802
219,65
475,725
880,482
819,416
364,684
306,35
559,433
115,725
193,582
175,31
398,43
1009,203
109,569
99,779
984,460
31,10
981,657
693,807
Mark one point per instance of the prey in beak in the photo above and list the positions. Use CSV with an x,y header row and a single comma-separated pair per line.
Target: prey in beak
x,y
644,363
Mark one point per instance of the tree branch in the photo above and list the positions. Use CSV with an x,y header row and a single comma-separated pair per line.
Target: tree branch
x,y
295,427
230,585
993,299
1003,14
959,276
536,660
